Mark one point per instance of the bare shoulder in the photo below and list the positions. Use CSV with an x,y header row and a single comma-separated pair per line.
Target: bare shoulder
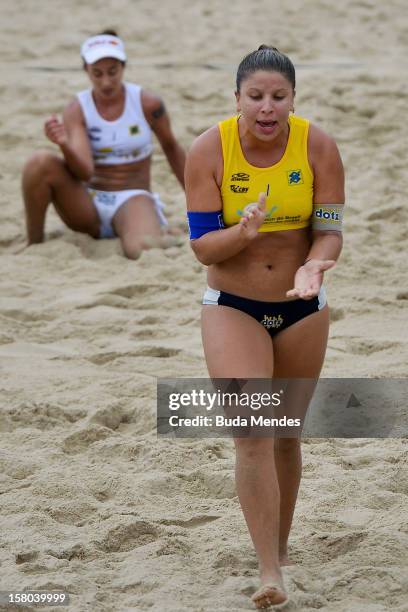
x,y
208,142
152,104
203,173
321,144
325,160
72,113
205,154
207,145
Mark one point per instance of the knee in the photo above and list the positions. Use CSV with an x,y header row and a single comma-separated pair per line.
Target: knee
x,y
133,245
42,164
132,253
253,449
132,249
287,446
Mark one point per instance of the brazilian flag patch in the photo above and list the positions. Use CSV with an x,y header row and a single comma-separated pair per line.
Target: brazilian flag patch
x,y
133,129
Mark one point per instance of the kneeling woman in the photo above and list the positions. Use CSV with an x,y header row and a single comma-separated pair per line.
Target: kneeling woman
x,y
265,192
101,185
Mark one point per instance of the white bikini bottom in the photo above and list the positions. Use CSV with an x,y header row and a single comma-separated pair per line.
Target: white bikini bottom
x,y
107,203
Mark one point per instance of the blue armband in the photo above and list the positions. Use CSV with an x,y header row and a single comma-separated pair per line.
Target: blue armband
x,y
201,223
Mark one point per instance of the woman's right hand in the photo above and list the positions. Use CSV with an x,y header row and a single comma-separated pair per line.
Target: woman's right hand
x,y
253,217
55,131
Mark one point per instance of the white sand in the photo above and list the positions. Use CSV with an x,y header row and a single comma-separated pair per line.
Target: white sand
x,y
91,501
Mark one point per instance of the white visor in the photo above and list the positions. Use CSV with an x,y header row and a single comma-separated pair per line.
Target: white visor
x,y
104,45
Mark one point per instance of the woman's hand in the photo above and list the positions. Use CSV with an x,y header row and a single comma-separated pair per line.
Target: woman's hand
x,y
253,217
309,278
55,131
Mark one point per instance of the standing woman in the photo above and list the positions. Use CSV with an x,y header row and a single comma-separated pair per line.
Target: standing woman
x,y
101,184
265,192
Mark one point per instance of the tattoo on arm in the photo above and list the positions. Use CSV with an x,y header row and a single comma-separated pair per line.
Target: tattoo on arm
x,y
159,111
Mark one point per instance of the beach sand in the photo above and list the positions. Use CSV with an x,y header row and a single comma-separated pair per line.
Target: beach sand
x,y
92,502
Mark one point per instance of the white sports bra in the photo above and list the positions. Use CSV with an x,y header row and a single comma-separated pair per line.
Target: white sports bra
x,y
127,139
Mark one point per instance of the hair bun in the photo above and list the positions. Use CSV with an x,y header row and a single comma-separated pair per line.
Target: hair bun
x,y
263,47
109,32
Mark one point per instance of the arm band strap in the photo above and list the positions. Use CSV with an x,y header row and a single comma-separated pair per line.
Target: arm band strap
x,y
327,217
201,223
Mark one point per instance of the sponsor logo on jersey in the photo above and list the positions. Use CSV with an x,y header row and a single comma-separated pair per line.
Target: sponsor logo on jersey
x,y
272,322
269,215
240,176
238,189
295,177
93,133
133,129
249,207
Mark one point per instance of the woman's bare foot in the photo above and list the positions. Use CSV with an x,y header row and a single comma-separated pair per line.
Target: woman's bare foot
x,y
271,593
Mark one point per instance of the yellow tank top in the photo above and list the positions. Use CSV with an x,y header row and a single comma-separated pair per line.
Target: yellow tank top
x,y
289,182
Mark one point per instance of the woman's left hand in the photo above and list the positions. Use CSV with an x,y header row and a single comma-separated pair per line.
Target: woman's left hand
x,y
309,278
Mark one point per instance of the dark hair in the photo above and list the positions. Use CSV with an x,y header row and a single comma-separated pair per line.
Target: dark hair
x,y
108,33
266,58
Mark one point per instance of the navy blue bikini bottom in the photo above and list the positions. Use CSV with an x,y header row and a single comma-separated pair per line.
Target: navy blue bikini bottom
x,y
274,316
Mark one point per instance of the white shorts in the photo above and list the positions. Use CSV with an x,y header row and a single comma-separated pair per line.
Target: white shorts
x,y
107,203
